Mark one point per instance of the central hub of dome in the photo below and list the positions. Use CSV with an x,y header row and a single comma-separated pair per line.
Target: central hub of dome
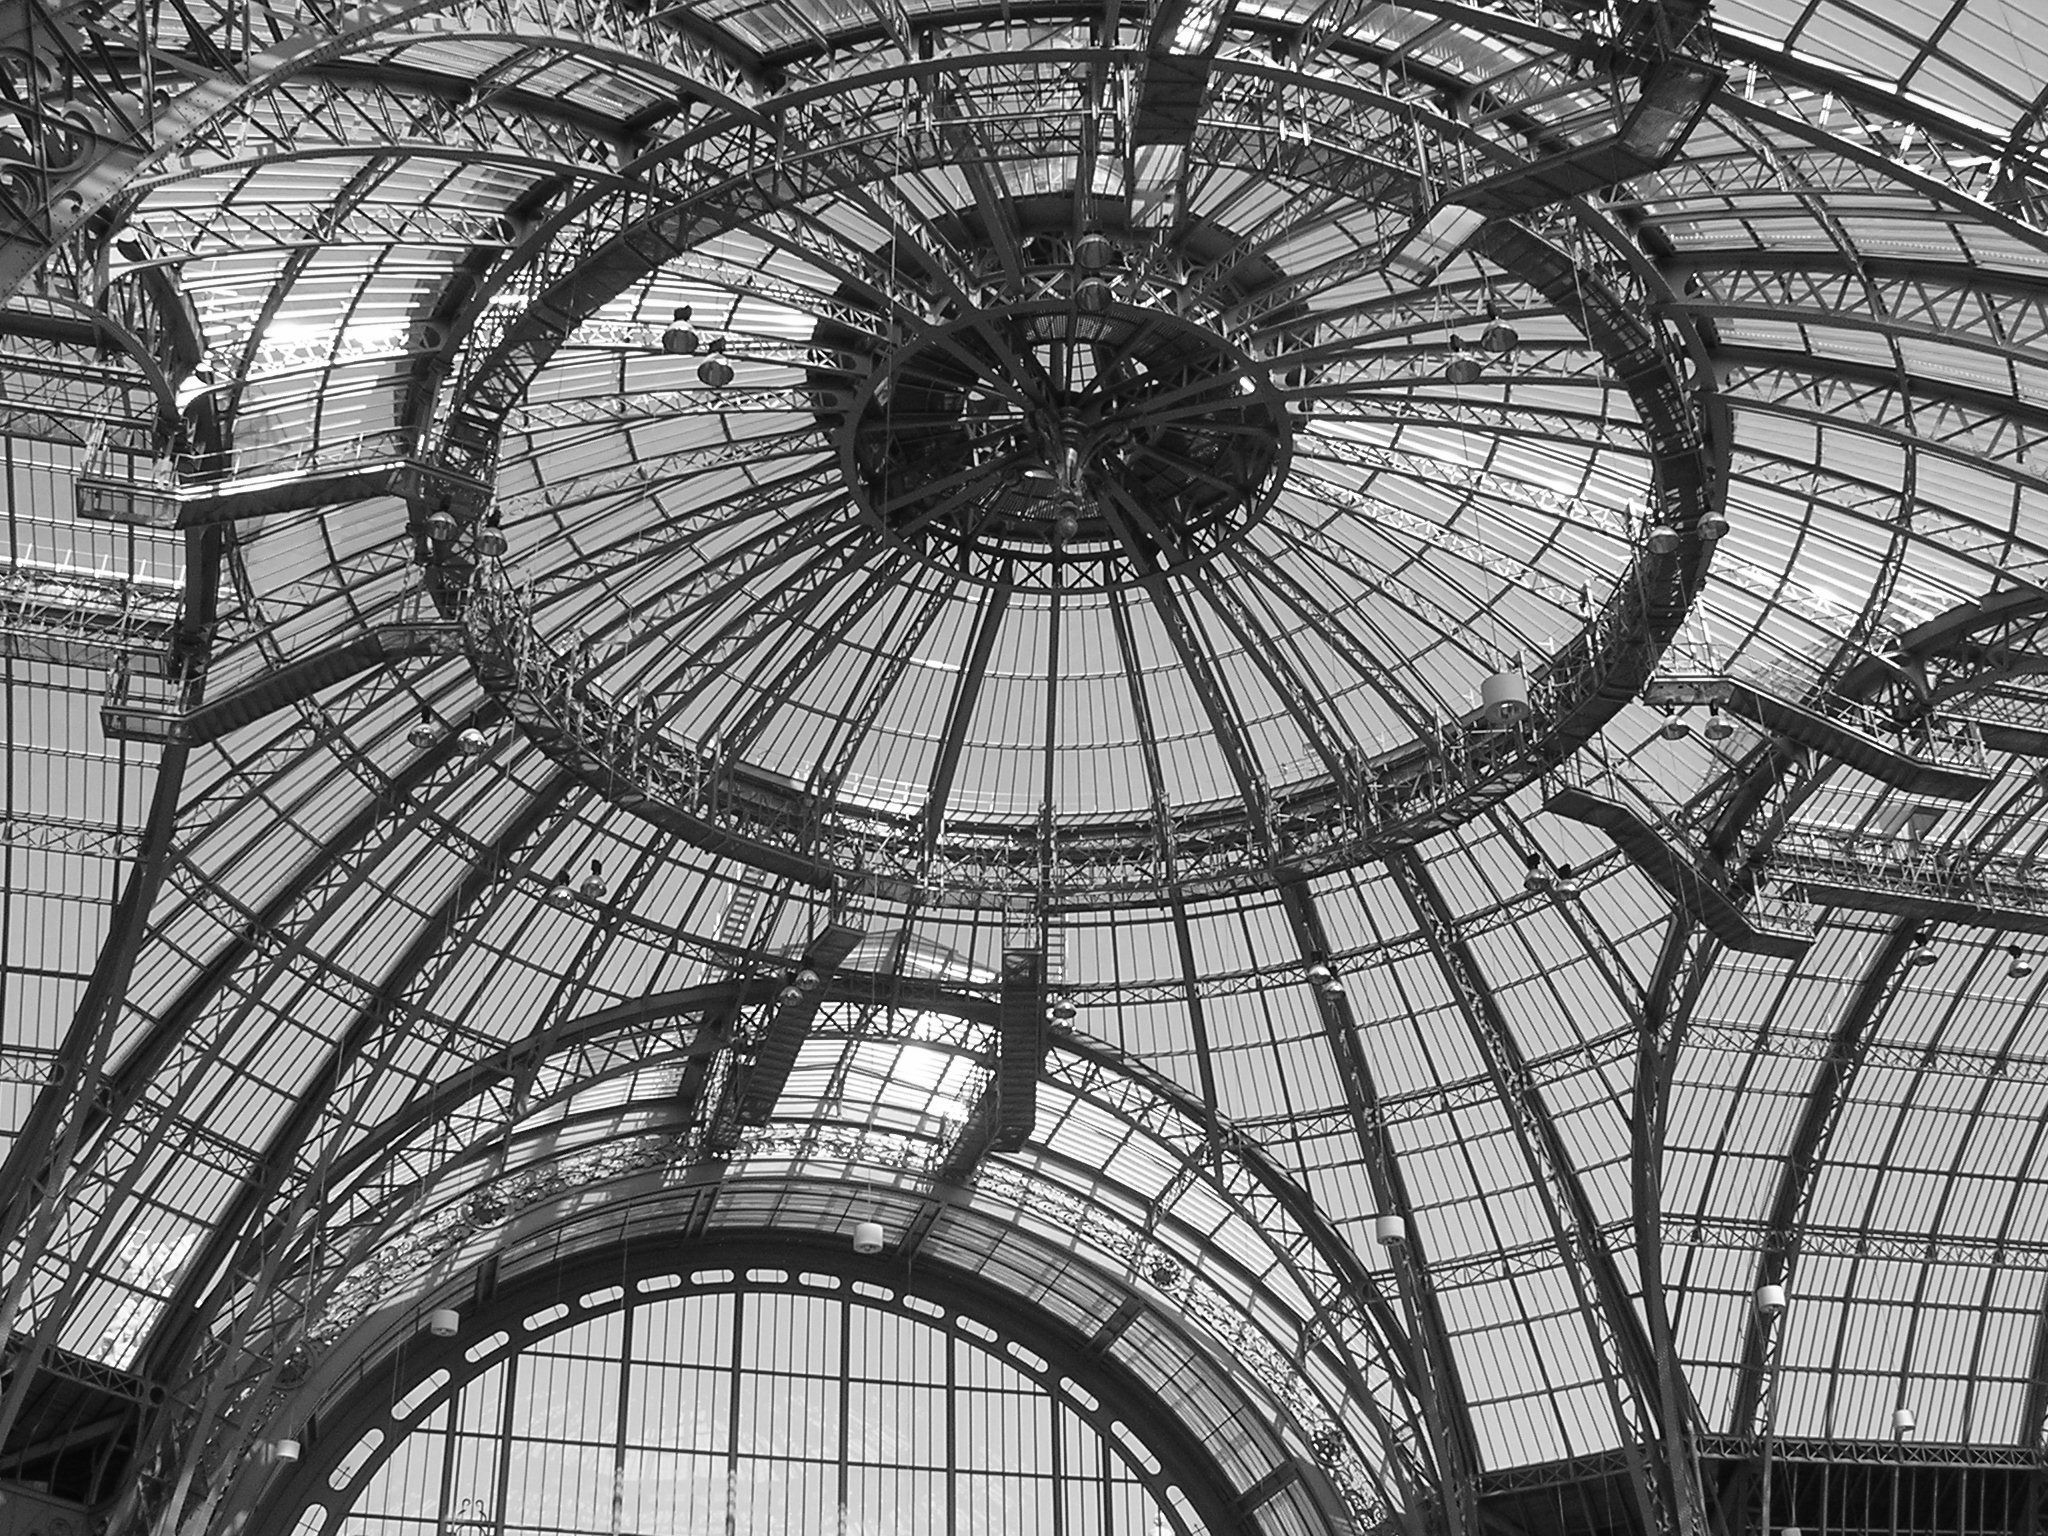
x,y
1078,426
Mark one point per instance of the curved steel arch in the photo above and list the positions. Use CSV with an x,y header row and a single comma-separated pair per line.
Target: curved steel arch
x,y
1638,1385
712,1003
643,1169
743,1263
1825,1097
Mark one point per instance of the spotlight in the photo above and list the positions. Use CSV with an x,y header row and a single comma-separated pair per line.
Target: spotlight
x,y
490,539
807,978
441,525
1093,250
1713,526
789,995
1092,295
680,339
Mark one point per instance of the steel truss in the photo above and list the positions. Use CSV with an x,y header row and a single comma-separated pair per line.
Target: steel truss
x,y
83,618
1925,413
375,1190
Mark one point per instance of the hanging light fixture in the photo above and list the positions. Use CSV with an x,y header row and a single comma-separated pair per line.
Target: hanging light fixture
x,y
1923,952
2019,965
286,1449
425,732
1064,1010
1067,509
1390,1229
1662,539
1713,526
1719,727
1505,696
593,887
1535,878
680,339
563,892
1093,250
1499,337
868,1237
490,539
715,371
444,1322
1903,1422
1463,368
1320,975
1770,1300
808,979
470,741
1675,727
1092,295
441,525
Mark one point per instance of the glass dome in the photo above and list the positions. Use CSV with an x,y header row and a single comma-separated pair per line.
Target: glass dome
x,y
1353,691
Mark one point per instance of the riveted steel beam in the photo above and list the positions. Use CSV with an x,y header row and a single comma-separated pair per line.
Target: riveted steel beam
x,y
1629,1369
1432,1363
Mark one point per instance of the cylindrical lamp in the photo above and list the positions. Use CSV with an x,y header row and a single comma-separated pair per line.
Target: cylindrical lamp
x,y
1506,697
1390,1229
1902,1421
286,1449
444,1322
868,1237
1770,1299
